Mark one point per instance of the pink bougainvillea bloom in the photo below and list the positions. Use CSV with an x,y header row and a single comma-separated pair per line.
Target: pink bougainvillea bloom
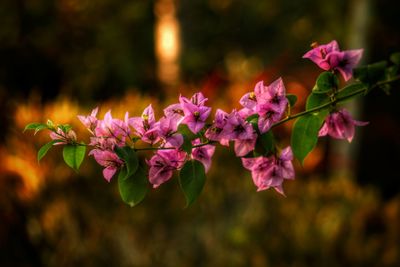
x,y
241,131
163,164
111,127
214,132
243,147
271,171
107,159
319,53
237,127
271,104
340,125
89,121
64,138
174,111
146,126
167,131
345,61
329,57
203,153
195,113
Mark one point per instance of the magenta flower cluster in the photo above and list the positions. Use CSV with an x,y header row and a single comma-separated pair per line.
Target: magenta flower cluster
x,y
267,103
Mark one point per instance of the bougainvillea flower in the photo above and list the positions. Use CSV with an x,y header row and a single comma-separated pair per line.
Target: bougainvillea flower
x,y
243,147
237,127
163,164
109,160
174,111
167,131
146,126
271,171
114,129
195,116
329,57
345,61
340,125
203,154
64,138
214,132
90,121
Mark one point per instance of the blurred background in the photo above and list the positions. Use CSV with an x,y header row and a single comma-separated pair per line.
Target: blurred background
x,y
63,58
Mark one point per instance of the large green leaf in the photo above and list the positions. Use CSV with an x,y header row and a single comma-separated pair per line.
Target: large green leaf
x,y
371,73
132,188
316,100
305,134
44,149
264,144
192,178
73,155
326,82
350,89
129,156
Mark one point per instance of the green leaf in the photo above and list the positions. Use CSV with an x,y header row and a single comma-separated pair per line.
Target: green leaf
x,y
132,188
326,82
350,89
129,156
184,130
192,178
392,72
395,58
187,144
65,128
33,126
292,99
73,155
316,100
264,144
371,73
44,149
305,134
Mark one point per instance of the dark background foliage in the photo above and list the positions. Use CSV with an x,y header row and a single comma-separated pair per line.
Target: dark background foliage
x,y
62,58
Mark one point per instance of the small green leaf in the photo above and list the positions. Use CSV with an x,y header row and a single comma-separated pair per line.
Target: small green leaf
x,y
316,100
50,124
371,73
184,130
392,71
132,188
44,149
292,99
305,134
73,155
187,144
192,178
33,126
264,144
129,156
65,128
395,58
326,82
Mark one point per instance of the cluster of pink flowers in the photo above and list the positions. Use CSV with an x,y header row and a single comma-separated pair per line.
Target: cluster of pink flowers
x,y
339,124
266,103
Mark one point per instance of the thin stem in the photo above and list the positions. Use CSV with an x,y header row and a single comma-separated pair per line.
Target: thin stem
x,y
332,102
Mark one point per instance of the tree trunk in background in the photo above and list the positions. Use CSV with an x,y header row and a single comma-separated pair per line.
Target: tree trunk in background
x,y
344,156
167,42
